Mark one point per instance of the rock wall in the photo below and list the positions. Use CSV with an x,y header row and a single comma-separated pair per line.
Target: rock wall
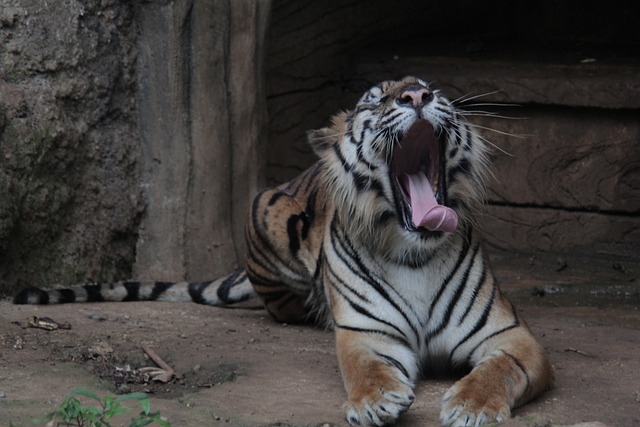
x,y
70,203
131,138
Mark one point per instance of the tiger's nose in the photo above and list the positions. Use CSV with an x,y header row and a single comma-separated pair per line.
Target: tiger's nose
x,y
416,96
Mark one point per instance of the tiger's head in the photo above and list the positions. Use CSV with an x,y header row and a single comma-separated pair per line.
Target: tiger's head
x,y
403,168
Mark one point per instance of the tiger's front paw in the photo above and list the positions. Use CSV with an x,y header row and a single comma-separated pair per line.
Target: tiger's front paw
x,y
381,406
465,404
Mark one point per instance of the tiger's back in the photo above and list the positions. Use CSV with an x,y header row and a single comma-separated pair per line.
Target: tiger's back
x,y
285,232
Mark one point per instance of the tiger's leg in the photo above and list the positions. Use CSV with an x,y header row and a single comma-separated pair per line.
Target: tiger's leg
x,y
281,303
378,374
511,369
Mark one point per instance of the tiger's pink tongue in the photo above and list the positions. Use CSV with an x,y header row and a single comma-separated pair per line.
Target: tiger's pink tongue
x,y
426,212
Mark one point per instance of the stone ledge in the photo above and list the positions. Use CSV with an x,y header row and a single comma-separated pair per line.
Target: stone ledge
x,y
539,229
581,85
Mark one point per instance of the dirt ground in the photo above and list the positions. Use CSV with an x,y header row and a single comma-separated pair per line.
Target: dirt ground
x,y
236,367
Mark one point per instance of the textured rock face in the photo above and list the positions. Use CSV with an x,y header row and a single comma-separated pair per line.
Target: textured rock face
x,y
70,202
130,138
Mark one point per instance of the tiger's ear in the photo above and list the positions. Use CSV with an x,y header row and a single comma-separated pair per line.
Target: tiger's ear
x,y
323,139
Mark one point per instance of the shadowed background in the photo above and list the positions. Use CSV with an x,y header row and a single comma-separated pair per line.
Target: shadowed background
x,y
133,135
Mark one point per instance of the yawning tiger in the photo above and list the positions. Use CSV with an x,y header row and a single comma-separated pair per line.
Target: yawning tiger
x,y
377,241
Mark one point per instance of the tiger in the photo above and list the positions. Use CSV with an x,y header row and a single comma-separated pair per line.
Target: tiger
x,y
377,241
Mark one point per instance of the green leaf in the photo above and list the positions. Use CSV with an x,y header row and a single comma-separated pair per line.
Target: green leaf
x,y
146,405
158,419
131,396
69,409
72,413
147,419
107,403
91,410
115,411
44,420
140,422
84,392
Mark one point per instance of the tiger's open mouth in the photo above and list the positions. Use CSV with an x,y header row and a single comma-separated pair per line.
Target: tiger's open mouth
x,y
418,179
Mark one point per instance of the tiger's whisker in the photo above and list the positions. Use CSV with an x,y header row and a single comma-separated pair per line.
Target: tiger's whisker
x,y
502,150
479,113
488,104
466,97
514,135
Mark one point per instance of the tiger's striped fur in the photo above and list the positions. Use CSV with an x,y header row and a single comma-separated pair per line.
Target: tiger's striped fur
x,y
340,245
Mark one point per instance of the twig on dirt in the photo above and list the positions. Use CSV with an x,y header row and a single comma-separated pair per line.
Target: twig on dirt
x,y
573,350
157,359
164,374
46,323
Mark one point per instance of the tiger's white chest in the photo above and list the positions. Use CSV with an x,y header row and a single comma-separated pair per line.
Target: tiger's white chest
x,y
428,293
417,286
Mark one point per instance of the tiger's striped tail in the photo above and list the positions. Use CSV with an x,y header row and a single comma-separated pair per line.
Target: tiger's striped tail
x,y
228,290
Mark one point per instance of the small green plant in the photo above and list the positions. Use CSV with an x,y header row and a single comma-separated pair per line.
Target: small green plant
x,y
72,412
